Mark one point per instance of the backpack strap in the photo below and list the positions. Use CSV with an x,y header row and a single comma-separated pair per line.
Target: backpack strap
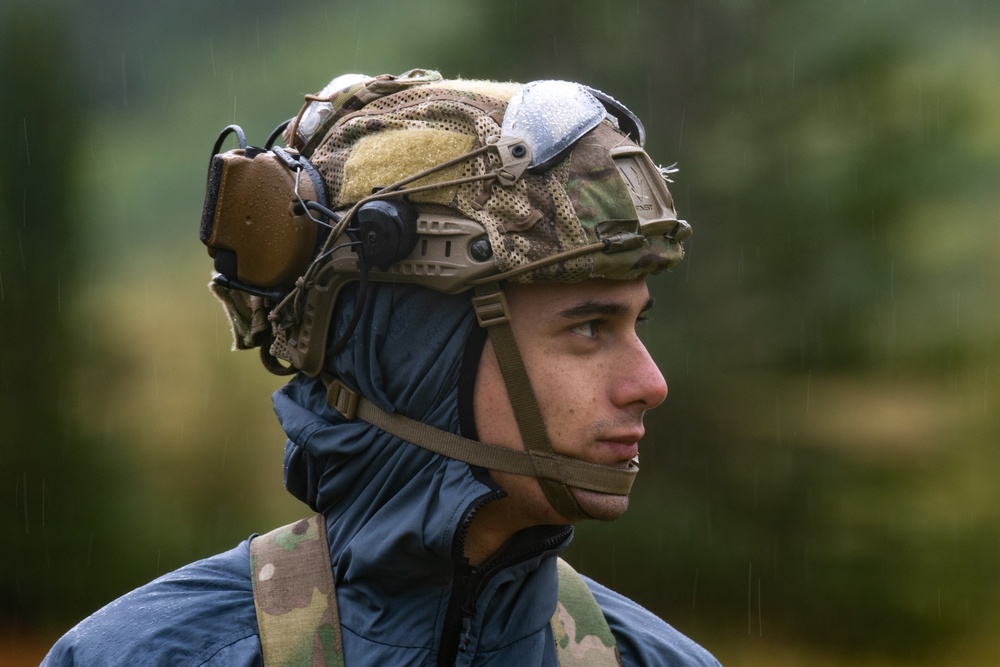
x,y
294,596
297,616
583,637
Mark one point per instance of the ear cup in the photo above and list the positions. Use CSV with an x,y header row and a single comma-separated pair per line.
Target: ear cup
x,y
387,230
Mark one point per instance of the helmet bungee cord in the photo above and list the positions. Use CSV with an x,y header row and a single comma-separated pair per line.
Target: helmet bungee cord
x,y
454,185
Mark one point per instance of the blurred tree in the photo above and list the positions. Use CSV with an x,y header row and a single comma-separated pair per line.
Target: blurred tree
x,y
53,481
819,150
838,164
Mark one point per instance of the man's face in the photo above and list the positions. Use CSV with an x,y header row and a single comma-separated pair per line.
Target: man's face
x,y
593,380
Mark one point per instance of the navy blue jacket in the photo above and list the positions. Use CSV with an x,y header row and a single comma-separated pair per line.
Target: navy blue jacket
x,y
396,516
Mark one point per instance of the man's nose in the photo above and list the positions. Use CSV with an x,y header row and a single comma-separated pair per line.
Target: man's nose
x,y
641,382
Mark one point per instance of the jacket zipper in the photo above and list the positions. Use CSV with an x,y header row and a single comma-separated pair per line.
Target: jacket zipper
x,y
468,608
456,631
471,581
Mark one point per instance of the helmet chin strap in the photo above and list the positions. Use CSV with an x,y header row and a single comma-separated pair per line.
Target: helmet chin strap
x,y
493,315
556,473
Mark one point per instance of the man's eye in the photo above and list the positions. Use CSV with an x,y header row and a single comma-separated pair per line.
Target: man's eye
x,y
587,329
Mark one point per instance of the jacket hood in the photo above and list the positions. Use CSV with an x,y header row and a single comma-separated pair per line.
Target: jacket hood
x,y
397,513
406,355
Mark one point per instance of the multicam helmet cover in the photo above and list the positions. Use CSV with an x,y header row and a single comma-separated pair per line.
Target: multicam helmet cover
x,y
601,190
583,201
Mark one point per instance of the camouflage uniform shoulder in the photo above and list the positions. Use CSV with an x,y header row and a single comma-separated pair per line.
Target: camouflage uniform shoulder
x,y
582,634
643,638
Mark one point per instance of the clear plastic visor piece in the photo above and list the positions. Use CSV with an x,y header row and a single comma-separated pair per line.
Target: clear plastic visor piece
x,y
317,111
550,116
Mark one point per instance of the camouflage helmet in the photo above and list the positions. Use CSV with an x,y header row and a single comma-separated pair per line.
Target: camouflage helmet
x,y
455,185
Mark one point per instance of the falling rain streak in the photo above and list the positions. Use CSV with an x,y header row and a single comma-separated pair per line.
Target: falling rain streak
x,y
846,98
27,152
750,605
124,71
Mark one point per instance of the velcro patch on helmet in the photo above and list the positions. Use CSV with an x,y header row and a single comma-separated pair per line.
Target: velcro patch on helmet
x,y
382,158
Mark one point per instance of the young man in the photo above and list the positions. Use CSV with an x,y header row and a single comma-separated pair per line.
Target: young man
x,y
454,271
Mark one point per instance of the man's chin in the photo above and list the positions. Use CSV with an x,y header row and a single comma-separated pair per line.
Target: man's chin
x,y
600,506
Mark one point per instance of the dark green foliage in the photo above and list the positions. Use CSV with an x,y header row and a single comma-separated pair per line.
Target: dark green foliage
x,y
55,481
821,474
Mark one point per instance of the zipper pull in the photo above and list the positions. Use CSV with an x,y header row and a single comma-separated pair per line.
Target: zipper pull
x,y
463,639
470,582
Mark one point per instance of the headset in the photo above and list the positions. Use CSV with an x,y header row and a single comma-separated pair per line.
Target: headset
x,y
267,224
264,224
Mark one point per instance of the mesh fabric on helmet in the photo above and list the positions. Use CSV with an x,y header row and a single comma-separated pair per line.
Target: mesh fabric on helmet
x,y
572,206
438,116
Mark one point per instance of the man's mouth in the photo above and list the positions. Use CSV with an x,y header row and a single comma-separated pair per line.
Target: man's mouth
x,y
619,449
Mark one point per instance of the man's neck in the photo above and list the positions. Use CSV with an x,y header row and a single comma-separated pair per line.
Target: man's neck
x,y
492,527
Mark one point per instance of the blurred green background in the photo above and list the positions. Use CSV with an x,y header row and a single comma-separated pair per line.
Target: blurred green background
x,y
819,486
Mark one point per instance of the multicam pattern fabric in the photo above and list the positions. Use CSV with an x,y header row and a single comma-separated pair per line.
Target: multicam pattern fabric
x,y
247,316
299,624
294,596
547,226
583,638
341,101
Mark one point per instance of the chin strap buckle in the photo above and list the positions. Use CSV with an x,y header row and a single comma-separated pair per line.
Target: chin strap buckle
x,y
491,307
343,399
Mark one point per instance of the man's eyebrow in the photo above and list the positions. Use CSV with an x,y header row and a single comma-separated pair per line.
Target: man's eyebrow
x,y
605,308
